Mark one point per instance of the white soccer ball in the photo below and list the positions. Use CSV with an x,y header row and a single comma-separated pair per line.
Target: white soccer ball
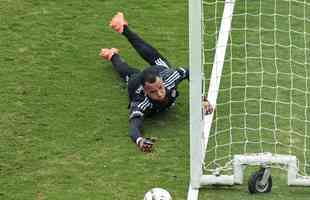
x,y
157,194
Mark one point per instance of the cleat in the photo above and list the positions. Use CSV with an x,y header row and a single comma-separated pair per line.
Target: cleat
x,y
108,53
118,22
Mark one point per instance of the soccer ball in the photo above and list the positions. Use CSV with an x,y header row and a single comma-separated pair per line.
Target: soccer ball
x,y
157,194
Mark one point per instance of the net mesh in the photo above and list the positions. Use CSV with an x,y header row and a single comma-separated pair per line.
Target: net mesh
x,y
264,99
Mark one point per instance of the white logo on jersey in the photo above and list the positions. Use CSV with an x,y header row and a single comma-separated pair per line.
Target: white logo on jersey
x,y
139,90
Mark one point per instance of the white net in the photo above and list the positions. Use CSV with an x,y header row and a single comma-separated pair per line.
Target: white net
x,y
264,98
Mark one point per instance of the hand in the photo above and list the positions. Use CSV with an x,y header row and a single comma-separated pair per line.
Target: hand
x,y
108,53
146,145
207,106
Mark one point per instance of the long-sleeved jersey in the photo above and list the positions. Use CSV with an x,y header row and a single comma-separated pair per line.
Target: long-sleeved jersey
x,y
140,104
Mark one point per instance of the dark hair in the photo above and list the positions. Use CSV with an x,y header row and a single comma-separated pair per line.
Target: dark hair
x,y
149,76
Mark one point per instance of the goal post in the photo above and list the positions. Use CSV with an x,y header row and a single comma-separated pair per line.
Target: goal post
x,y
196,83
200,124
259,86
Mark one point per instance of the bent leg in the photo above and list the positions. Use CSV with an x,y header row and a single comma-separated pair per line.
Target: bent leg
x,y
122,68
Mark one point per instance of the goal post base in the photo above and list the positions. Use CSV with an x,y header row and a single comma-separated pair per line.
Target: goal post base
x,y
192,193
261,159
217,180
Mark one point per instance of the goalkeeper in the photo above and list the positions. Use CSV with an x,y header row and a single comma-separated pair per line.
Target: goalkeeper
x,y
152,90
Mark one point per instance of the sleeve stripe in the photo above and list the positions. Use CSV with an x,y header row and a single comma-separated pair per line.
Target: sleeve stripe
x,y
144,104
140,105
172,80
172,76
159,61
184,71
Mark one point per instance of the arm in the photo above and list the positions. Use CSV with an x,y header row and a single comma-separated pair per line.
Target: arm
x,y
135,124
184,73
144,144
173,77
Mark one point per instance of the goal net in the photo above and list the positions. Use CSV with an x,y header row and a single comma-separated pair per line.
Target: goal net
x,y
263,104
256,62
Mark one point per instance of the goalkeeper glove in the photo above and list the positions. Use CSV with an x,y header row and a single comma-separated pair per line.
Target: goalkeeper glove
x,y
208,108
146,145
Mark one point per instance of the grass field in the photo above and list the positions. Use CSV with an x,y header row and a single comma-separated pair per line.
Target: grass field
x,y
63,121
63,111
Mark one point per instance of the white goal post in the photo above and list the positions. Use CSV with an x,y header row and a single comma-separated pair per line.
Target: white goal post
x,y
201,124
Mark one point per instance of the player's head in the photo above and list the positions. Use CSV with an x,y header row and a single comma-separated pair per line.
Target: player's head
x,y
153,85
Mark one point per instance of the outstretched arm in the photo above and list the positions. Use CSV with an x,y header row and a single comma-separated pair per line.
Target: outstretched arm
x,y
135,125
184,73
136,121
144,144
179,75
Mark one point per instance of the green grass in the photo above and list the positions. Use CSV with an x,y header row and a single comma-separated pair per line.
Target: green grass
x,y
63,111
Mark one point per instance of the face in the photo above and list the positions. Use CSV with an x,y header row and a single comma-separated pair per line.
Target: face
x,y
156,91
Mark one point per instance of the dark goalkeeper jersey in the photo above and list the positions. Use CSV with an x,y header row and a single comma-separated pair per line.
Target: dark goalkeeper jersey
x,y
140,104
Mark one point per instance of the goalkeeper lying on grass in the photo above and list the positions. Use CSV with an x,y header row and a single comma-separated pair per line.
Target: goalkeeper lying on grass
x,y
152,90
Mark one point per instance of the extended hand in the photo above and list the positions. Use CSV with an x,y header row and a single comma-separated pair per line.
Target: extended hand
x,y
146,145
207,106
